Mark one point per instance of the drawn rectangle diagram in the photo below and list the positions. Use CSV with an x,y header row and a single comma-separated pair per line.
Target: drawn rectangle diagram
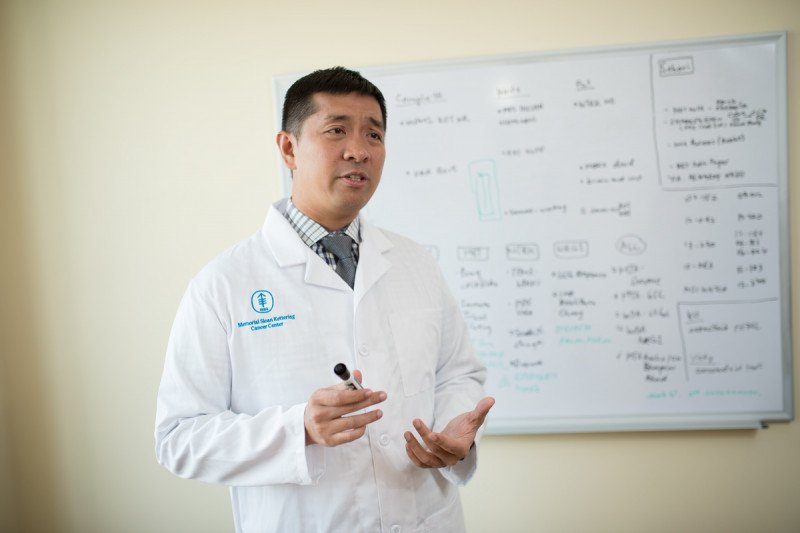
x,y
473,253
571,249
523,251
483,181
676,66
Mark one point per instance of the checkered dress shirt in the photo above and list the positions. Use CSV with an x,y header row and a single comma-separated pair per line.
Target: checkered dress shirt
x,y
311,233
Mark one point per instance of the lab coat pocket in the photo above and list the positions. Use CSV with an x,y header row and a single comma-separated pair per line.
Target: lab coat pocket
x,y
417,337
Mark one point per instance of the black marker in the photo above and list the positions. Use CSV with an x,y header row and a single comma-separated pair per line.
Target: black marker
x,y
341,371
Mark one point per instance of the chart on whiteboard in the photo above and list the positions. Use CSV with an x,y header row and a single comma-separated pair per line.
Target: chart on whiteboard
x,y
608,225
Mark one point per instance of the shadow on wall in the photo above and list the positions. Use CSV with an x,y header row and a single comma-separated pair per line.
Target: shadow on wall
x,y
27,465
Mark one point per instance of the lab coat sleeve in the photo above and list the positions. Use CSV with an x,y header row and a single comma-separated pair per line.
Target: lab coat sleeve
x,y
459,381
198,436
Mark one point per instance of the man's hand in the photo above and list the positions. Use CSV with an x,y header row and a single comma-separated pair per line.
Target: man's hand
x,y
452,444
325,416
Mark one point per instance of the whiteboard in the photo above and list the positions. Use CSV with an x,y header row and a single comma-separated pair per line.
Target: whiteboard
x,y
613,223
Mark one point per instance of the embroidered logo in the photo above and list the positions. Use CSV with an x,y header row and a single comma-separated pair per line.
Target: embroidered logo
x,y
262,301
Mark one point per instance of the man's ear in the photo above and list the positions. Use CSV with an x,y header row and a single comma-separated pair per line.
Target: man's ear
x,y
286,144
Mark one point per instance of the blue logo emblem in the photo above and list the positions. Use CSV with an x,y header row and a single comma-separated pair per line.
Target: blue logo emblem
x,y
262,301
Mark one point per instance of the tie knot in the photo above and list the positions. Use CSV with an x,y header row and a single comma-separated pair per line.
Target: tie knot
x,y
339,244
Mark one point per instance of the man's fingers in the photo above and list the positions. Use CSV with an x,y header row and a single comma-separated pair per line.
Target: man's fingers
x,y
335,403
450,445
446,445
340,396
421,428
436,446
352,422
335,431
433,440
334,415
410,453
340,419
369,401
350,428
344,437
420,456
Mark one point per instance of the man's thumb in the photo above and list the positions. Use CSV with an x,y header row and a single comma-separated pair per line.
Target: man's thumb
x,y
482,409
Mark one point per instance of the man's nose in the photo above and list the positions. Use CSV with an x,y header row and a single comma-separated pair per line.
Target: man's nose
x,y
357,149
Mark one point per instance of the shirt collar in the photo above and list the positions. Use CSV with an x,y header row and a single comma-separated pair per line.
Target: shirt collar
x,y
311,232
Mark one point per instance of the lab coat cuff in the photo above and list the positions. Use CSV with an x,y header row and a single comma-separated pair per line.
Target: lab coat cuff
x,y
310,460
461,472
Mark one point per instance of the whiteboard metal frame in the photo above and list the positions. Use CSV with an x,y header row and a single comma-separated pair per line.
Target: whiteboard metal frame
x,y
648,422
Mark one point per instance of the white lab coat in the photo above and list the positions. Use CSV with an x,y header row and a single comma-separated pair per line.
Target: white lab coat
x,y
239,371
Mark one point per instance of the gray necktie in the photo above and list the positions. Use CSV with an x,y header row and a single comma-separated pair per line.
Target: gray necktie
x,y
341,246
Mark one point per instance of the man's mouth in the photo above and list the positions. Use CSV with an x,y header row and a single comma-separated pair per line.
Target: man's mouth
x,y
355,177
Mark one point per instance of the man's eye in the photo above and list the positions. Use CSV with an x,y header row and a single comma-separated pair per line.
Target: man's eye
x,y
337,131
376,136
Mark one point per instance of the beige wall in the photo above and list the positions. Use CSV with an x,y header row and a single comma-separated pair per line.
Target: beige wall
x,y
137,143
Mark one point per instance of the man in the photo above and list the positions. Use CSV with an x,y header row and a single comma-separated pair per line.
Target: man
x,y
249,398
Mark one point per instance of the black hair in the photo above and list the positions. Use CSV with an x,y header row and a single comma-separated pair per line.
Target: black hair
x,y
298,104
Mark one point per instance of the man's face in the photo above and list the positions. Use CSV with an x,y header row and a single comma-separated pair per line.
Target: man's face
x,y
337,159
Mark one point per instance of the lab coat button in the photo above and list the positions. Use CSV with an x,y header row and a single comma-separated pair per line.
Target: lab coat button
x,y
384,440
396,529
363,350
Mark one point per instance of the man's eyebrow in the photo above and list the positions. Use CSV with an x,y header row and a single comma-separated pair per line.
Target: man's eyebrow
x,y
336,118
346,118
377,123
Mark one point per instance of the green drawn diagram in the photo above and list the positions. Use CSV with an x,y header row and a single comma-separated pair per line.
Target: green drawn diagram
x,y
483,181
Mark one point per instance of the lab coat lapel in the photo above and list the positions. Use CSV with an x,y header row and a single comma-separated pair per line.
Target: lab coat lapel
x,y
289,249
319,273
372,264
